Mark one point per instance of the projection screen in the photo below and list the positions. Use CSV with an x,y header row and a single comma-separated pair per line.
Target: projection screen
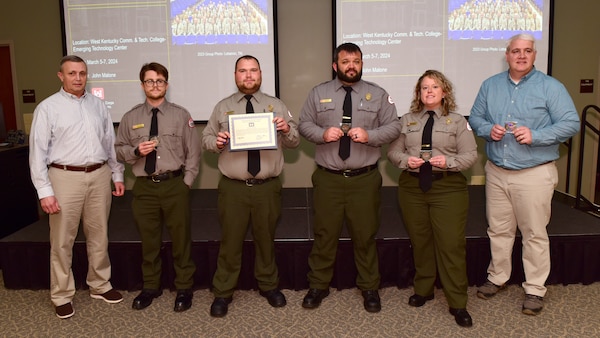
x,y
464,39
198,42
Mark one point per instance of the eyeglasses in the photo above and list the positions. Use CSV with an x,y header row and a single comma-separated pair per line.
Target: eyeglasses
x,y
158,83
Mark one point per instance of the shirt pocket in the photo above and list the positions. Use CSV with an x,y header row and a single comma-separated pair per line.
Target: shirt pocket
x,y
326,115
367,114
172,138
444,137
139,135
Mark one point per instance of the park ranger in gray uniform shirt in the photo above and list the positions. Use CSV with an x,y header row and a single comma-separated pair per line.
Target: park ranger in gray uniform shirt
x,y
347,190
245,198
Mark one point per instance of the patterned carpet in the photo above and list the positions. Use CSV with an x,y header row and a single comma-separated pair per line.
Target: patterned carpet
x,y
570,311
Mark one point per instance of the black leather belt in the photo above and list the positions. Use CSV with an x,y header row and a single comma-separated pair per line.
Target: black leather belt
x,y
254,181
436,176
164,176
350,172
87,169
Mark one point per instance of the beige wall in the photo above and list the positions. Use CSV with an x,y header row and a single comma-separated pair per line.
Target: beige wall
x,y
305,44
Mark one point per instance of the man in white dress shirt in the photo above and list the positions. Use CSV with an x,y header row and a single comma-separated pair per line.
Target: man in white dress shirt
x,y
72,160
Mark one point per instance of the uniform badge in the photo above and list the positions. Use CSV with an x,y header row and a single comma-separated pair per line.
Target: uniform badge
x,y
270,107
411,123
324,100
368,96
191,123
229,112
448,120
137,126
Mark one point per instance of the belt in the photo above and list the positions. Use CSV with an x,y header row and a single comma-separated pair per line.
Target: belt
x,y
350,172
254,181
436,176
514,169
87,169
164,176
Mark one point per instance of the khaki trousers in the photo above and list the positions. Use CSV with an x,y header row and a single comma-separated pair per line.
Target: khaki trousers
x,y
520,199
86,197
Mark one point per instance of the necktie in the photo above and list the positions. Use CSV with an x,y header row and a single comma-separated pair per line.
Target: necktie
x,y
344,151
253,155
425,172
150,165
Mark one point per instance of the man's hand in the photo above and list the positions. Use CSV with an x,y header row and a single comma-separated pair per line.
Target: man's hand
x,y
497,132
119,189
50,205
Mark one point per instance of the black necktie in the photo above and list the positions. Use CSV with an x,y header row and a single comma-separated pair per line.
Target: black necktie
x,y
253,155
150,165
425,172
344,151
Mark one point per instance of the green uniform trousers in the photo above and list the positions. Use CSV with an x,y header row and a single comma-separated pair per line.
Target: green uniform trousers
x,y
356,201
436,222
151,202
240,205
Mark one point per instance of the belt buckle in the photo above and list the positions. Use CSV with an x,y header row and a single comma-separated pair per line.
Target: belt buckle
x,y
249,182
155,179
347,173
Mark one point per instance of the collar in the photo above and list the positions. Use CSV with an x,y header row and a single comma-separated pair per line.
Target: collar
x,y
161,107
523,78
71,96
424,114
239,96
356,87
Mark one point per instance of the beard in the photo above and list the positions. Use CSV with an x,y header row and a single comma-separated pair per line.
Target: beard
x,y
350,79
242,87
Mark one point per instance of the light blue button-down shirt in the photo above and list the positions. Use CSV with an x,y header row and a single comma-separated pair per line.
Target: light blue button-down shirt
x,y
538,102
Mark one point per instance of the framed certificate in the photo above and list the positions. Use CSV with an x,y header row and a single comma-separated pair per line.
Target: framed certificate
x,y
252,131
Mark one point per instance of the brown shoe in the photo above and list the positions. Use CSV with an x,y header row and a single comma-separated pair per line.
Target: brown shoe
x,y
64,311
111,296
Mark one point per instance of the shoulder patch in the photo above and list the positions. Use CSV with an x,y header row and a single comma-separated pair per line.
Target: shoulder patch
x,y
290,114
390,100
191,123
469,127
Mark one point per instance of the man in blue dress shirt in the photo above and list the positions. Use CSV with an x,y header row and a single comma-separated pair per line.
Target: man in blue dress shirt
x,y
524,115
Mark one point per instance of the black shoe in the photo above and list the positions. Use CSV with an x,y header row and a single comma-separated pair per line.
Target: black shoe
x,y
462,317
219,306
314,297
372,302
275,297
183,301
418,301
144,299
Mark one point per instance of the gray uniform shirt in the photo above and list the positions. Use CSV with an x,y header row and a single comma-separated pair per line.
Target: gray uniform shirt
x,y
179,144
234,164
372,110
451,137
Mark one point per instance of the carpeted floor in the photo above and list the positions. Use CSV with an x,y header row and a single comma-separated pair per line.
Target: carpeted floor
x,y
570,311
